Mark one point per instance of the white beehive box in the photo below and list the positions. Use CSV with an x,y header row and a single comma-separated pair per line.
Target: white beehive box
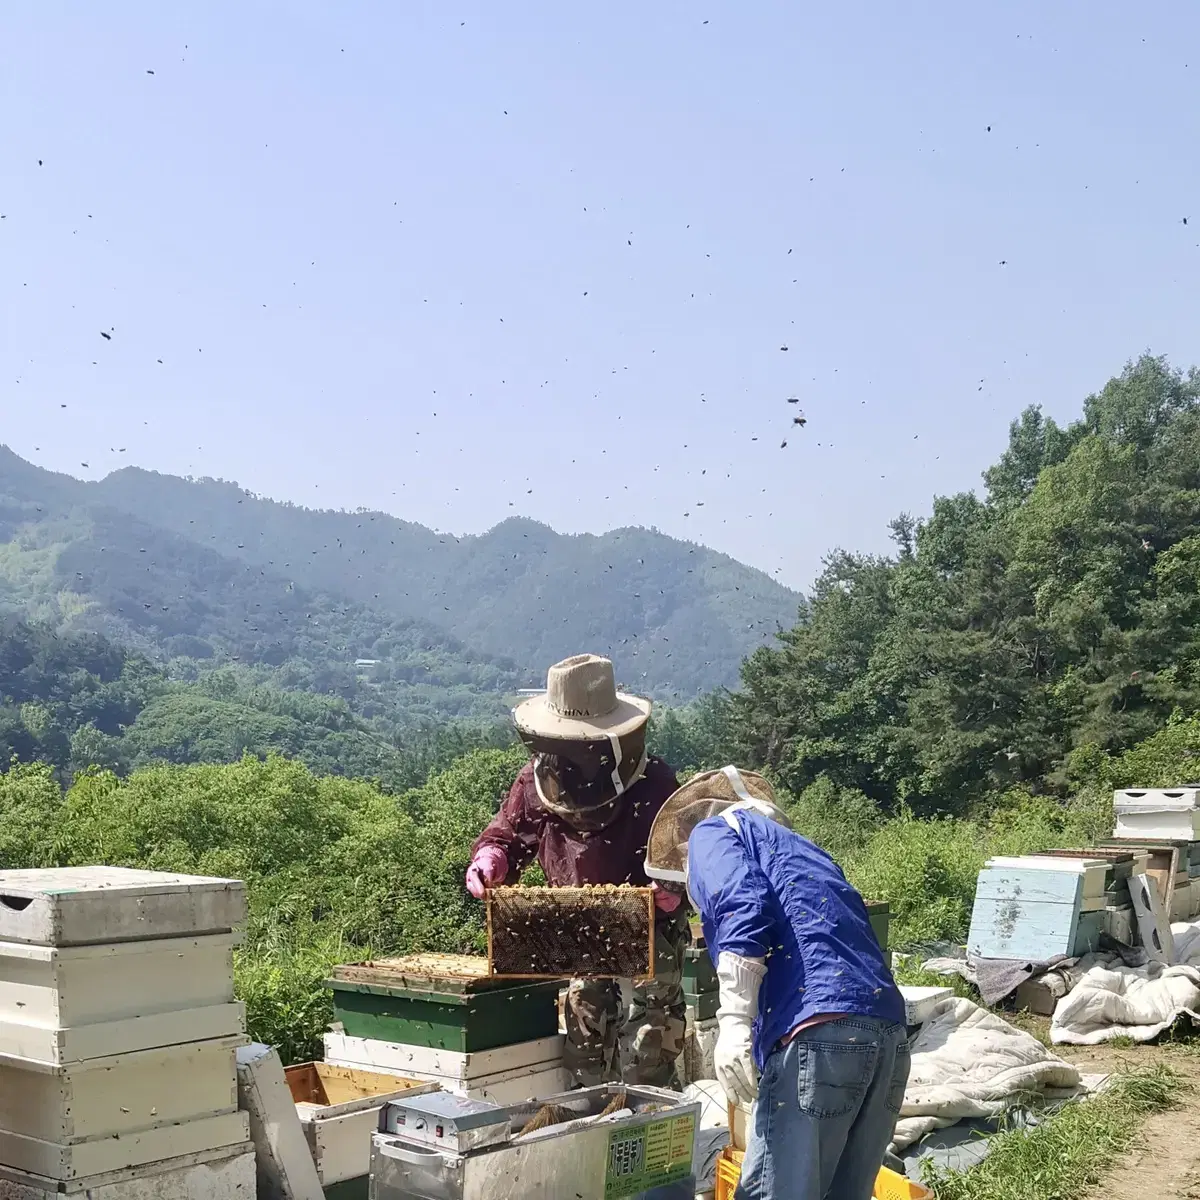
x,y
224,1174
61,1161
699,1044
1155,799
78,906
506,1075
338,1109
919,1002
461,1067
63,1004
110,1098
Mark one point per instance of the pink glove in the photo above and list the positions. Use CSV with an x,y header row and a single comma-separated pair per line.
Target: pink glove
x,y
665,900
488,868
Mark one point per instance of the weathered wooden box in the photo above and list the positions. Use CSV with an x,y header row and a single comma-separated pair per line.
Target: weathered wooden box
x,y
68,1003
444,1001
224,1174
78,906
338,1109
115,1096
571,932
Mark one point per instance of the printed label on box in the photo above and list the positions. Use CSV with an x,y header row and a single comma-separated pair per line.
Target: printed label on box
x,y
649,1156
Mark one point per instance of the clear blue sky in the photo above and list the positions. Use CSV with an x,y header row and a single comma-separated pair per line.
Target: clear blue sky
x,y
580,234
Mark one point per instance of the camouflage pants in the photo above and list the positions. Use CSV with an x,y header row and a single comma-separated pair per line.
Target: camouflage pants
x,y
630,1030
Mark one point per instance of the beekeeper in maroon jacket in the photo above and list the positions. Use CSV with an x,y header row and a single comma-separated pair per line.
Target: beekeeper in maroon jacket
x,y
583,806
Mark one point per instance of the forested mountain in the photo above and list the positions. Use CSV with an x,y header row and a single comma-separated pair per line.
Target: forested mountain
x,y
1012,636
166,561
78,701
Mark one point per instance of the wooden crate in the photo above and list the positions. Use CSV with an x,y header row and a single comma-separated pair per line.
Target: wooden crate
x,y
338,1109
444,1001
227,1173
117,1096
577,932
79,906
63,1004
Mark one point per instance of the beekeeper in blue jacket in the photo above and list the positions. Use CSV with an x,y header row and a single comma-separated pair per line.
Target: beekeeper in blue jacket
x,y
810,1023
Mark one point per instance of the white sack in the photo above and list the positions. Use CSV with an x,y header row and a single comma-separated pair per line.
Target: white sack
x,y
968,1062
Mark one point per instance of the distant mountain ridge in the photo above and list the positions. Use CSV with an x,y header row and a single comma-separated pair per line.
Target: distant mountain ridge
x,y
677,618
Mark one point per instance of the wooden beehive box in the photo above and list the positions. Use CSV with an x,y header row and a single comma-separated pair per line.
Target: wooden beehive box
x,y
80,906
338,1109
107,1114
67,1003
505,1075
571,932
443,1001
225,1173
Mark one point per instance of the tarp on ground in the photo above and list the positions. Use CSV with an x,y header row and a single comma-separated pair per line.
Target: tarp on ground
x,y
969,1063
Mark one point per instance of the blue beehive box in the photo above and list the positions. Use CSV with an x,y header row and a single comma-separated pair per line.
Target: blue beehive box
x,y
1034,912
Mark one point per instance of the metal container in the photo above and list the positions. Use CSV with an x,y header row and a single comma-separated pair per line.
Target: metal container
x,y
645,1150
444,1121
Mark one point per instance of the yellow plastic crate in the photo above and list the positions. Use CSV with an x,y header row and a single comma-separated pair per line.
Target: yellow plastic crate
x,y
729,1171
888,1184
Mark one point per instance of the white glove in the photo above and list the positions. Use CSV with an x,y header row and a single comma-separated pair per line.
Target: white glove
x,y
740,980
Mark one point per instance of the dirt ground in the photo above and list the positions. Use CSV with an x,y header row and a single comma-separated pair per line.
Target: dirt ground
x,y
1166,1160
1165,1163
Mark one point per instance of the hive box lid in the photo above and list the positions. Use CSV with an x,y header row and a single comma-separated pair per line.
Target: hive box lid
x,y
76,906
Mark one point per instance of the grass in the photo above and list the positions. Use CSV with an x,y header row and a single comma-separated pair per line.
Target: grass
x,y
1071,1150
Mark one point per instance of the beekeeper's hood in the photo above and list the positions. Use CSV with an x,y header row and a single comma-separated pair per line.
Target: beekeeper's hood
x,y
720,793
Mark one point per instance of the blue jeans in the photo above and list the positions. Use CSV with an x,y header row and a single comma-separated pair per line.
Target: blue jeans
x,y
827,1106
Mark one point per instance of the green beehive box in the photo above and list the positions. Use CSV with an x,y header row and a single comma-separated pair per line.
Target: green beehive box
x,y
699,974
879,912
447,1002
704,1005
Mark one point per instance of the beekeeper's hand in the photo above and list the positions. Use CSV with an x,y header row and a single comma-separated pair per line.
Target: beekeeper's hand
x,y
488,868
740,980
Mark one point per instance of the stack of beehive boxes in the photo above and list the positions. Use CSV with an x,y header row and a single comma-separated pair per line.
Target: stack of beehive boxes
x,y
440,1018
701,994
118,1036
1165,823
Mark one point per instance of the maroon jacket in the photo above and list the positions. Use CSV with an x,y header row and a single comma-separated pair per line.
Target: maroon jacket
x,y
524,829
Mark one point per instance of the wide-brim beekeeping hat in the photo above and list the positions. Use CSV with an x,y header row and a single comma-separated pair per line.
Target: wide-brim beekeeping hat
x,y
581,703
711,794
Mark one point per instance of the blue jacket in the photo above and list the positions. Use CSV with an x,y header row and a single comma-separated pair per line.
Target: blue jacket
x,y
765,892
